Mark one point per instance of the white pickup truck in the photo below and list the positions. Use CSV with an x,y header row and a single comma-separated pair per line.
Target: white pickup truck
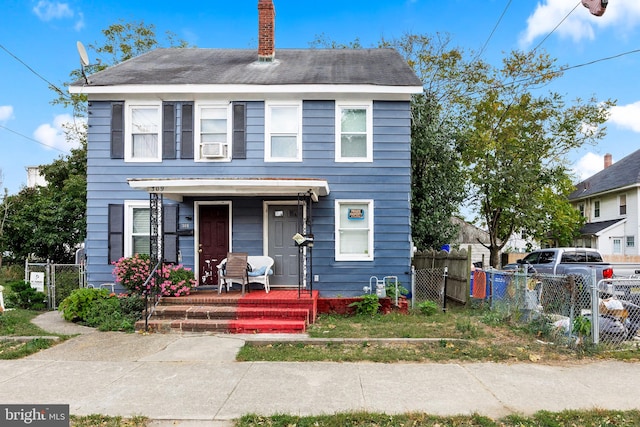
x,y
566,261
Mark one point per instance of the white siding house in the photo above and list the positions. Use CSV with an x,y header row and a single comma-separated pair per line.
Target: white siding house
x,y
609,200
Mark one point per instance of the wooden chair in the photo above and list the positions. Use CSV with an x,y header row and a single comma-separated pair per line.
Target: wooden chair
x,y
235,270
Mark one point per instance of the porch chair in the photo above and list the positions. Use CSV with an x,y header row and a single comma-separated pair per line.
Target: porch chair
x,y
235,270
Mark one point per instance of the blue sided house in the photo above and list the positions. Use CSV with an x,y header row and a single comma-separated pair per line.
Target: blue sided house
x,y
199,152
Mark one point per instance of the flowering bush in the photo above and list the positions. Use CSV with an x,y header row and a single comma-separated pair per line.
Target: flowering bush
x,y
177,280
132,272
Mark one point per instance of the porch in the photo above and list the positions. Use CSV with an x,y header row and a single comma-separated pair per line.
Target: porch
x,y
204,310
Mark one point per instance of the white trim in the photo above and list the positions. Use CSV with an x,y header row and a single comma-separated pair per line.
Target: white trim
x,y
267,131
370,226
177,188
368,107
196,228
248,89
265,230
128,122
197,143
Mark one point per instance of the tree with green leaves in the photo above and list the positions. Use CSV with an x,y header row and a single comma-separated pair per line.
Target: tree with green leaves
x,y
517,139
437,179
49,222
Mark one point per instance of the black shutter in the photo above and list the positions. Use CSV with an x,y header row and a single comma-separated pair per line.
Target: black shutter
x,y
169,233
186,135
116,232
239,130
117,130
168,130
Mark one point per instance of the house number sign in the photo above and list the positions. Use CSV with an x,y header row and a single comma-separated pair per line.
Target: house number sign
x,y
356,214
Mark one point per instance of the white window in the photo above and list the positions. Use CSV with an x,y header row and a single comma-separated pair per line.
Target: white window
x,y
142,133
354,135
137,225
354,230
283,136
623,204
581,209
596,209
213,132
631,241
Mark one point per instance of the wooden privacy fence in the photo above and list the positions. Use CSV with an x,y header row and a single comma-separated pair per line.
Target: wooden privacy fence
x,y
458,263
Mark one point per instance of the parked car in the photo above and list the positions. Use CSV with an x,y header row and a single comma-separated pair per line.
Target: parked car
x,y
564,261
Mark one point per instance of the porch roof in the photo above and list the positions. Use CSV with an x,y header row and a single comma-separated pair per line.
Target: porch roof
x,y
178,188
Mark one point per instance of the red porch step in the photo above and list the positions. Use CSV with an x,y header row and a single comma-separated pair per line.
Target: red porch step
x,y
255,312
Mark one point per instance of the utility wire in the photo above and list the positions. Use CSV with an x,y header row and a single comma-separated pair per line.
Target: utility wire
x,y
495,27
34,140
556,27
54,87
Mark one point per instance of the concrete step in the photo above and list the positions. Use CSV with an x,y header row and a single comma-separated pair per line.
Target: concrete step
x,y
224,325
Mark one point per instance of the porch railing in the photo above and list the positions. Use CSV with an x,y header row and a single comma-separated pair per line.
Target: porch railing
x,y
151,294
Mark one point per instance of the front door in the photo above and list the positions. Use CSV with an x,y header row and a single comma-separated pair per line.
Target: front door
x,y
283,224
213,241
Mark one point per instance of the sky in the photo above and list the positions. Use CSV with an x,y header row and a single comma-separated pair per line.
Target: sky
x,y
38,46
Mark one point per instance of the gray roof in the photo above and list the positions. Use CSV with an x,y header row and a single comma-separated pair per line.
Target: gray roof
x,y
178,66
622,173
593,228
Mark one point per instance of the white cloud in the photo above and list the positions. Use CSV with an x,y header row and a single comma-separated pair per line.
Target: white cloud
x,y
53,134
626,116
6,113
588,165
580,24
48,11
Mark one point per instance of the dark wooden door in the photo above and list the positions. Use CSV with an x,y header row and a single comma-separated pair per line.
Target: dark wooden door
x,y
213,241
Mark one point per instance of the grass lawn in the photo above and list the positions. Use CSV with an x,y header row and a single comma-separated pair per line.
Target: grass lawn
x,y
459,335
17,323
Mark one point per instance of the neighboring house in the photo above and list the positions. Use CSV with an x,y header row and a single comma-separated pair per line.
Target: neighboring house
x,y
609,201
243,149
474,237
34,178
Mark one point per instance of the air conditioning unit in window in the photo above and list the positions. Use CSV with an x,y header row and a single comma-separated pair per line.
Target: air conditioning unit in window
x,y
213,150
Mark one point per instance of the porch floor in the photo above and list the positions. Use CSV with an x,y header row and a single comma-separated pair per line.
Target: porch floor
x,y
204,310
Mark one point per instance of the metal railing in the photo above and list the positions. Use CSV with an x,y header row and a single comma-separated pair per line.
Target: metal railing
x,y
151,293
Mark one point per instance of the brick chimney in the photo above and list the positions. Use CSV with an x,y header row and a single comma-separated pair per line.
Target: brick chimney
x,y
266,30
608,161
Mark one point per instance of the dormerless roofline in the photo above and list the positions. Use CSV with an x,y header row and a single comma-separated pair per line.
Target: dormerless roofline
x,y
241,89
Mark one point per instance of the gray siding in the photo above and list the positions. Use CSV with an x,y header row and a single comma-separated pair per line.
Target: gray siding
x,y
387,181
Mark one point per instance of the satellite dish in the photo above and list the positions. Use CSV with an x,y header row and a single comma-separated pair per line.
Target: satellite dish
x,y
84,59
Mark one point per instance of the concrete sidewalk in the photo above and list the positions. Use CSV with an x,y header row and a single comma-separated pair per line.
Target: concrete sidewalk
x,y
193,380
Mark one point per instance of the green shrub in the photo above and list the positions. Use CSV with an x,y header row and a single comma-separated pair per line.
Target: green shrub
x,y
22,295
11,273
390,289
100,309
369,305
428,308
115,313
77,305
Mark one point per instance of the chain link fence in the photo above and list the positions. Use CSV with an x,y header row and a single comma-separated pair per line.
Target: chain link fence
x,y
58,280
428,285
570,310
